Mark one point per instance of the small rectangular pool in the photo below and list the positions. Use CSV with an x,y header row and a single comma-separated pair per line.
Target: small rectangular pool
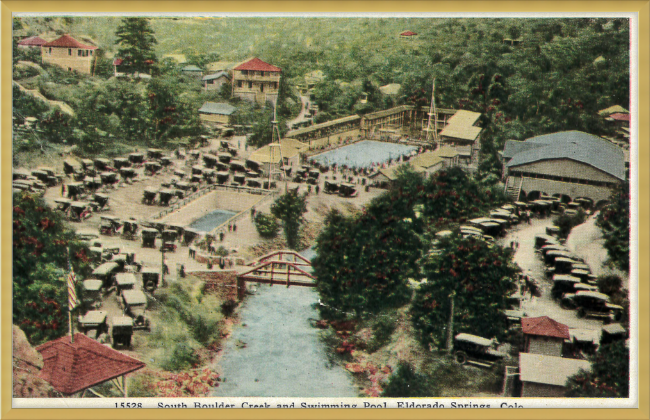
x,y
211,220
363,154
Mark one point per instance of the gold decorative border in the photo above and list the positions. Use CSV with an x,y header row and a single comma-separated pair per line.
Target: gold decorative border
x,y
642,8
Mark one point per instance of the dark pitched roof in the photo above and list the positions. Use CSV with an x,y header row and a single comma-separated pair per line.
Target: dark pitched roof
x,y
66,41
191,67
34,41
408,33
512,147
72,367
256,64
216,75
544,326
217,108
575,145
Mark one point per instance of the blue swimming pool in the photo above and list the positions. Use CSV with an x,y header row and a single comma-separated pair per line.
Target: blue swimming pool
x,y
363,154
211,220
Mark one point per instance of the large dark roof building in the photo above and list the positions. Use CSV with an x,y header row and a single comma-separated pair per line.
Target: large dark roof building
x,y
570,163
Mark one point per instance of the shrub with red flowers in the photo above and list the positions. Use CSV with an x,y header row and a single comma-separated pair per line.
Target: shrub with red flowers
x,y
479,275
609,376
195,383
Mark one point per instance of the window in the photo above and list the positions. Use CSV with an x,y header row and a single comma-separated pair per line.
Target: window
x,y
240,83
250,85
244,72
50,51
262,73
69,51
79,53
90,52
261,87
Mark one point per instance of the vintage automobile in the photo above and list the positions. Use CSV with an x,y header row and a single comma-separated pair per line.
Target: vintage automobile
x,y
149,195
62,204
611,333
165,196
93,324
348,190
237,166
101,200
254,183
149,237
79,210
119,163
551,255
122,331
552,230
102,164
136,158
475,350
183,189
224,167
88,166
210,161
197,170
514,317
134,304
127,173
253,165
93,290
106,273
168,240
72,167
152,167
239,179
75,190
541,240
179,173
108,178
563,284
124,281
593,305
150,278
130,229
92,183
109,225
166,161
209,175
154,153
269,185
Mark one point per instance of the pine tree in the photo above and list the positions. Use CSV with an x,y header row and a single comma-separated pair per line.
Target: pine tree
x,y
136,40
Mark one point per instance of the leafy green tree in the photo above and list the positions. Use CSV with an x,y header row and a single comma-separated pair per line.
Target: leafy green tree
x,y
614,222
567,222
609,376
478,275
40,268
405,382
267,225
136,41
290,209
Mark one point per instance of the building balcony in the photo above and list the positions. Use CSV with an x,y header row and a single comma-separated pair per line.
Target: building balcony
x,y
249,78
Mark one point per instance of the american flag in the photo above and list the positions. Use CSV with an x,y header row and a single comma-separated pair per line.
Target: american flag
x,y
72,293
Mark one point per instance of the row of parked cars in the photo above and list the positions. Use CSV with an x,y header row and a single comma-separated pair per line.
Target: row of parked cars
x,y
574,286
35,181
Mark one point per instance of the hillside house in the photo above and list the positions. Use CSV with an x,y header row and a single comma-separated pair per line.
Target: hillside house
x,y
215,81
216,113
118,64
462,133
256,81
546,376
32,42
570,163
391,89
329,132
193,71
543,335
426,163
70,54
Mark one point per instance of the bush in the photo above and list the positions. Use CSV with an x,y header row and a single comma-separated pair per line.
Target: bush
x,y
610,284
382,330
228,307
566,222
405,382
267,225
182,357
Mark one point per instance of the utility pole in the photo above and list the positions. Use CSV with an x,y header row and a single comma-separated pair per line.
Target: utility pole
x,y
450,325
162,262
433,112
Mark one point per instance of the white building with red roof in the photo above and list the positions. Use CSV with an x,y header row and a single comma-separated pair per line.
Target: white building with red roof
x,y
256,81
70,54
544,335
32,42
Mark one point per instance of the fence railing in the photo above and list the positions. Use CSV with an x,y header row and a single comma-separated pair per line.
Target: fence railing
x,y
208,189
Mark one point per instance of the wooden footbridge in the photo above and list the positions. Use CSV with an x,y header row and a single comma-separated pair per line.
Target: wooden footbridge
x,y
280,267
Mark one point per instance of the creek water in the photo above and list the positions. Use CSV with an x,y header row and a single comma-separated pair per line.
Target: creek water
x,y
276,352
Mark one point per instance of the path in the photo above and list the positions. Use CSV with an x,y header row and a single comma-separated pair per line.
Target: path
x,y
532,265
301,116
275,351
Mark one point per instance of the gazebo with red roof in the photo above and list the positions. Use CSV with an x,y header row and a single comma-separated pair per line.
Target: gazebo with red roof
x,y
544,335
69,53
619,116
32,42
71,367
256,81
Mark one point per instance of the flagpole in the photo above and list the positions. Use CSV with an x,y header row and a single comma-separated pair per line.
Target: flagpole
x,y
67,283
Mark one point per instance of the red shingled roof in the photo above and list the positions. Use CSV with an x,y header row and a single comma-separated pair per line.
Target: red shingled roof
x,y
544,326
33,41
66,41
70,368
620,116
256,64
408,33
118,62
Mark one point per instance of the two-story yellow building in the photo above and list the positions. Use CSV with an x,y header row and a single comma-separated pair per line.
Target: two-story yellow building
x,y
70,54
256,81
